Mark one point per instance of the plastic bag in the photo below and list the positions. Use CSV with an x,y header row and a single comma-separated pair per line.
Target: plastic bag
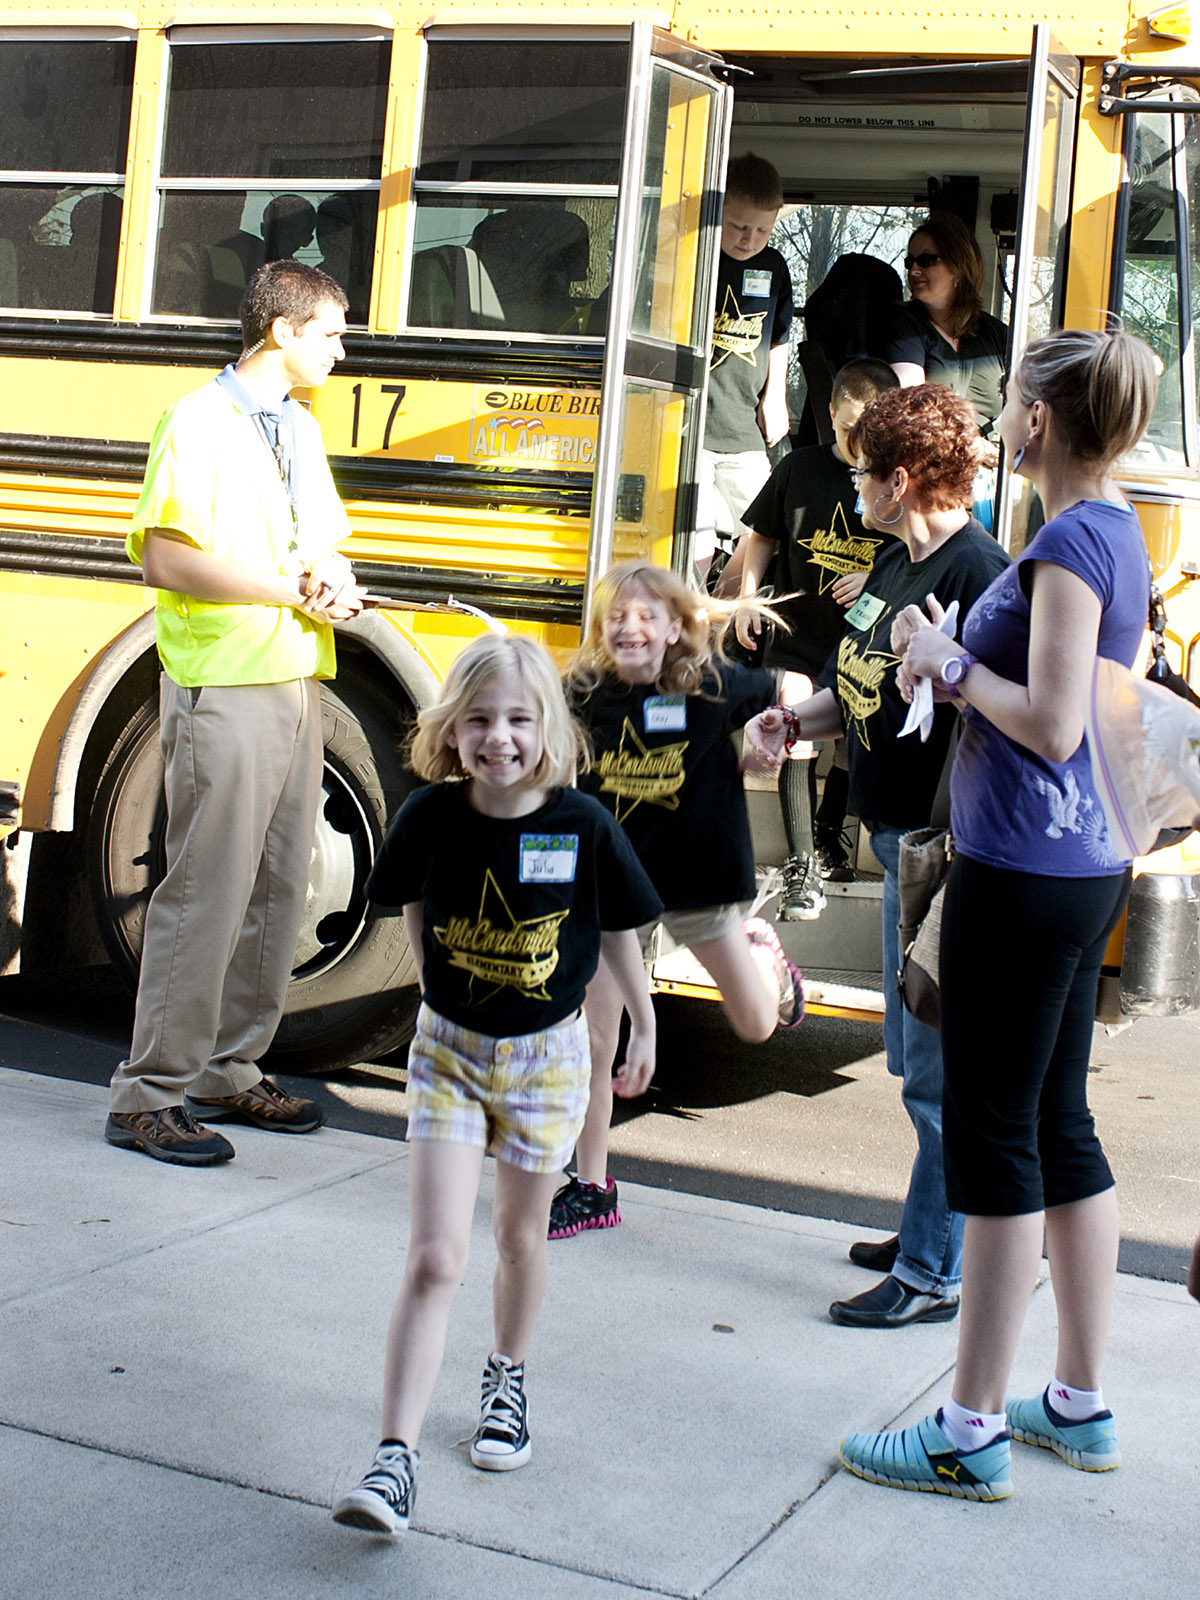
x,y
1144,744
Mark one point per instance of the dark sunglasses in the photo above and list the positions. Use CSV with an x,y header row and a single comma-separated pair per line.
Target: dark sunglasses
x,y
925,260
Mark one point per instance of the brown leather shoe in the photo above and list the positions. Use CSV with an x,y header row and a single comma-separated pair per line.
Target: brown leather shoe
x,y
168,1135
263,1105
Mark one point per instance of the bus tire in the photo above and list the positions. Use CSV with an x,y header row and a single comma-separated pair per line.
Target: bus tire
x,y
353,992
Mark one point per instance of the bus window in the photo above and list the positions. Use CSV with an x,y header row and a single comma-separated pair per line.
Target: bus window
x,y
64,125
287,142
516,185
1164,152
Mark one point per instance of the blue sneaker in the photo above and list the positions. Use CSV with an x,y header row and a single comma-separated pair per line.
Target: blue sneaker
x,y
1091,1446
922,1457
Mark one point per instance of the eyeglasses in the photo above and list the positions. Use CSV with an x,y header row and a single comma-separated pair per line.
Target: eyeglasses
x,y
925,260
857,474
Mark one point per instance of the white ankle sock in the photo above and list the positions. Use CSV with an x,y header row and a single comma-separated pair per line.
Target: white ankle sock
x,y
970,1430
1076,1405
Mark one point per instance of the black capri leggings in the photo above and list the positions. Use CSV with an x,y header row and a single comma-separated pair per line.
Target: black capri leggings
x,y
1020,964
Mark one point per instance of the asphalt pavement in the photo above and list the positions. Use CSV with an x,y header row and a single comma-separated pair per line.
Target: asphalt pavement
x,y
192,1363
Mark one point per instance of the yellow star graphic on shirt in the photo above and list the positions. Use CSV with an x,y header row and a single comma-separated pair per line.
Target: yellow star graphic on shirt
x,y
860,676
500,951
637,772
735,334
836,551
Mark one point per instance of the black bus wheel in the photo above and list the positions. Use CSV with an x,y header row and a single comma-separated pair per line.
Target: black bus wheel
x,y
353,991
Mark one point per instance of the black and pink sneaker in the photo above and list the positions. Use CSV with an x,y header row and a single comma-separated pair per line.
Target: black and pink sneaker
x,y
789,978
579,1205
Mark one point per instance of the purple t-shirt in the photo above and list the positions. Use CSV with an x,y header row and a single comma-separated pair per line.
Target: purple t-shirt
x,y
1008,806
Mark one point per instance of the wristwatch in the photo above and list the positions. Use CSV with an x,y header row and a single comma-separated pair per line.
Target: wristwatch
x,y
955,668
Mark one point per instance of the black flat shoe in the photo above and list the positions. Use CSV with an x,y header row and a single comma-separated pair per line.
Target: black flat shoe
x,y
892,1304
876,1255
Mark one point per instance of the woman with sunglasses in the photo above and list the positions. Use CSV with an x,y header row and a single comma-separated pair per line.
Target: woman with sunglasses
x,y
943,334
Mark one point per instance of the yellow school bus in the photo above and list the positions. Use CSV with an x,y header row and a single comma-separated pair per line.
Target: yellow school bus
x,y
522,205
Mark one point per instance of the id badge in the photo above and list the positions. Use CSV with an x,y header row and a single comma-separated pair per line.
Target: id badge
x,y
865,612
548,857
756,284
665,713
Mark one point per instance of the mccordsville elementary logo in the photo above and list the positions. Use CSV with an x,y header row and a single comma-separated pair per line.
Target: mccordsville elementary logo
x,y
735,334
835,551
500,952
636,774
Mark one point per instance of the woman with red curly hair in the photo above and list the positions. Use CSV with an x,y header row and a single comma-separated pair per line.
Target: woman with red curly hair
x,y
917,452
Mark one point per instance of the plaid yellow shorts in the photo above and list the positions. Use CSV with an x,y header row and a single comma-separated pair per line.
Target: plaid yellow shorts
x,y
522,1099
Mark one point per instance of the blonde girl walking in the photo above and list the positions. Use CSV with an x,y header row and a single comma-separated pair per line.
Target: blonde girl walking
x,y
511,884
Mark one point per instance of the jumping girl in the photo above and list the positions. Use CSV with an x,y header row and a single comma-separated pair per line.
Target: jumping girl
x,y
511,884
659,701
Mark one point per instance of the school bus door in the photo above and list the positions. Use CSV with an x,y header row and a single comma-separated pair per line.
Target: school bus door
x,y
677,119
1040,264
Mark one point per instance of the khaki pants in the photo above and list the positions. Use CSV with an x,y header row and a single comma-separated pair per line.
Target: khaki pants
x,y
243,779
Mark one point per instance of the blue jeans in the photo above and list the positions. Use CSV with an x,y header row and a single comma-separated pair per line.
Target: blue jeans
x,y
930,1258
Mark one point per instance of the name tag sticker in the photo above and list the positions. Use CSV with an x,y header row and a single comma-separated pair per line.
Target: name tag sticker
x,y
865,611
665,713
756,283
549,857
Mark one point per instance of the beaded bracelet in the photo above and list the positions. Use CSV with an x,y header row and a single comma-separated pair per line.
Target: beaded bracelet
x,y
791,721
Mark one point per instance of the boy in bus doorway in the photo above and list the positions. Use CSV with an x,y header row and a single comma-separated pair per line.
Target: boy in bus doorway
x,y
236,528
747,377
806,531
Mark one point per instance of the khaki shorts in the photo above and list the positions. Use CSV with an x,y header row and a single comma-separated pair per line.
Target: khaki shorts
x,y
521,1099
696,925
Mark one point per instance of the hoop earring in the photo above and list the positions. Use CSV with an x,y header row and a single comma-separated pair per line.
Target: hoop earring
x,y
885,522
1020,455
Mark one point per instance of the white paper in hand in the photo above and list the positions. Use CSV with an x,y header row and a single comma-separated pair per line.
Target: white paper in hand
x,y
920,710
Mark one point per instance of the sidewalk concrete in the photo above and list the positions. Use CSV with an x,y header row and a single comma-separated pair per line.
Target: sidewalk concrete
x,y
191,1365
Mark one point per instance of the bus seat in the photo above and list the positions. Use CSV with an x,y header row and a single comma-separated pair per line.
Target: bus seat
x,y
8,274
532,254
451,289
226,281
848,314
815,425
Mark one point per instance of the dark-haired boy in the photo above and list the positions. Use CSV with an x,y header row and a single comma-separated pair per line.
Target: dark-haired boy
x,y
806,524
236,528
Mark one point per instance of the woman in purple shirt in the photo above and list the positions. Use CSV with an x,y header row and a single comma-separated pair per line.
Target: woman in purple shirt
x,y
1036,888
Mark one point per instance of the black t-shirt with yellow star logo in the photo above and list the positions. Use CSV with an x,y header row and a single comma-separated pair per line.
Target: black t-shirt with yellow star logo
x,y
893,781
807,508
513,907
666,766
753,314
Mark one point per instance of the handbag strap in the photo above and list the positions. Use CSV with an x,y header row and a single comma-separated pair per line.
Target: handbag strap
x,y
939,812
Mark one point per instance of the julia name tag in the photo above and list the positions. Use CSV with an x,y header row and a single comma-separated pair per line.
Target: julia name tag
x,y
549,857
665,713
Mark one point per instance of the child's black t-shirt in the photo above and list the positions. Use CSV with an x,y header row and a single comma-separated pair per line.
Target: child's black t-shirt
x,y
665,765
513,907
807,507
